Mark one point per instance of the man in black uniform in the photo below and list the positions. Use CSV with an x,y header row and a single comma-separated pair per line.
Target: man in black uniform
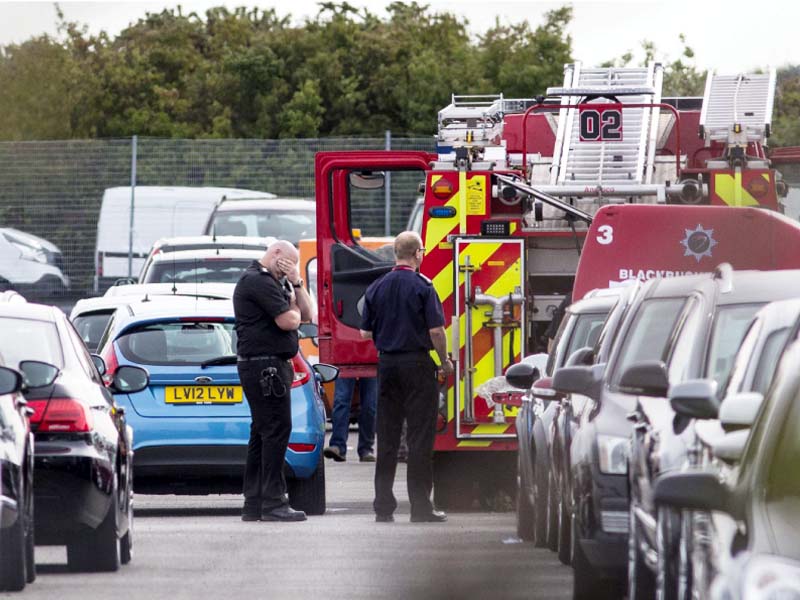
x,y
269,303
404,317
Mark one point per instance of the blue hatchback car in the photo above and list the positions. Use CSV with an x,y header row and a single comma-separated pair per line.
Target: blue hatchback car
x,y
192,423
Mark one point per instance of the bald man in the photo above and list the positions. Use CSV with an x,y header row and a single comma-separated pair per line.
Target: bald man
x,y
269,304
404,317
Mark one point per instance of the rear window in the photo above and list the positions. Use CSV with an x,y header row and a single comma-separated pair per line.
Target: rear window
x,y
284,224
648,335
29,339
91,327
178,343
214,270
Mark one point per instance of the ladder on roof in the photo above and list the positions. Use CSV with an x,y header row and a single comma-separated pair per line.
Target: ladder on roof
x,y
743,99
471,119
608,163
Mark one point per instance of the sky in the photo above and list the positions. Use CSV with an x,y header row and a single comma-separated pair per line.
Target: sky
x,y
730,36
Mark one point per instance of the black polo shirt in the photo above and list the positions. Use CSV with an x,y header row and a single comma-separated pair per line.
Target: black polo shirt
x,y
399,309
257,299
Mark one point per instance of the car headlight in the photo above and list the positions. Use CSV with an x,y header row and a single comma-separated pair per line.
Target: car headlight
x,y
771,578
612,452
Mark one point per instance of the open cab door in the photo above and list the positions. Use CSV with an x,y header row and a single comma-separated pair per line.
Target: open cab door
x,y
354,192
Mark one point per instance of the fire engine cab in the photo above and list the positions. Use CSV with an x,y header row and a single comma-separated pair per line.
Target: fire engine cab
x,y
509,196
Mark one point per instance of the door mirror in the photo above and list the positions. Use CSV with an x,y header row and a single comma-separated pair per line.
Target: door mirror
x,y
581,357
739,411
646,378
129,380
578,380
695,399
308,330
698,490
99,363
367,180
10,381
522,375
325,373
36,373
730,447
543,388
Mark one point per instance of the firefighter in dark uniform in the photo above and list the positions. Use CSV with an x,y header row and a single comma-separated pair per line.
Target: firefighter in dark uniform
x,y
403,316
269,303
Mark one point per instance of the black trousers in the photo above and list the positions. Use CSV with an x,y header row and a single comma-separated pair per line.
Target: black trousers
x,y
271,412
407,388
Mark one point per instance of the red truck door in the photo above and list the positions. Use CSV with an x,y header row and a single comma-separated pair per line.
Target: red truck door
x,y
344,268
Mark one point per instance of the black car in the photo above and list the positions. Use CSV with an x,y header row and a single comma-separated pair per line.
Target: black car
x,y
598,485
82,451
715,318
17,565
564,427
759,509
536,514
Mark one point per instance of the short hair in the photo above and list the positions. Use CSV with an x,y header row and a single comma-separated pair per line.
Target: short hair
x,y
406,244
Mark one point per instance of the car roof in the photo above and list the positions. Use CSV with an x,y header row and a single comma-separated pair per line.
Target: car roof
x,y
215,289
267,204
158,308
173,243
29,310
208,253
594,304
181,192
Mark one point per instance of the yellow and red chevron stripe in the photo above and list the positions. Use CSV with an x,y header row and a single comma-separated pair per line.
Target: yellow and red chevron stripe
x,y
752,187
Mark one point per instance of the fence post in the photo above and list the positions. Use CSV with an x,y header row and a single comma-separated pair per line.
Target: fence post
x,y
387,216
133,198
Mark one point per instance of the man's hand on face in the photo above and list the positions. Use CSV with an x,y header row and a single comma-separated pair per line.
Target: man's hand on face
x,y
291,269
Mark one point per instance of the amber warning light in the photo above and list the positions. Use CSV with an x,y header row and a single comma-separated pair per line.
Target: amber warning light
x,y
442,189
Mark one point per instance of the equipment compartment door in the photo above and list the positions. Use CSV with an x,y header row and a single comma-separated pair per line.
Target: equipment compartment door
x,y
490,311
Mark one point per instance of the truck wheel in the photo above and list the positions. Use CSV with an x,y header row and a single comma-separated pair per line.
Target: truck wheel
x,y
309,494
97,549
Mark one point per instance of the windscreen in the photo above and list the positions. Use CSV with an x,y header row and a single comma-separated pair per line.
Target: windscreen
x,y
282,224
29,339
209,270
91,327
179,343
730,326
647,337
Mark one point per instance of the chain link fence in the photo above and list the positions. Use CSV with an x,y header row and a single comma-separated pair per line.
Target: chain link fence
x,y
53,190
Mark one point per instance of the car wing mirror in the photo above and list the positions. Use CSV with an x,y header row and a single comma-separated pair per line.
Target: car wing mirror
x,y
581,357
129,380
694,490
308,330
730,447
695,399
11,381
739,411
367,180
325,373
36,373
578,380
99,363
543,388
522,375
646,378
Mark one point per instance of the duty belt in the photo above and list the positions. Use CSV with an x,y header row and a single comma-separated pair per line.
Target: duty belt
x,y
261,357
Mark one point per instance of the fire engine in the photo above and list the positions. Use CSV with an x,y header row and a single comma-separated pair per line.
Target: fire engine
x,y
509,197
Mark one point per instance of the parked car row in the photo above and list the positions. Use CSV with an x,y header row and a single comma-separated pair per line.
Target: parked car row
x,y
654,399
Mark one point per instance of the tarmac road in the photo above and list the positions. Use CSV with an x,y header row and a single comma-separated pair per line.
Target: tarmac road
x,y
196,547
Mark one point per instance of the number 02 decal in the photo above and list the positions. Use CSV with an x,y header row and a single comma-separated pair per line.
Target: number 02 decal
x,y
600,122
606,235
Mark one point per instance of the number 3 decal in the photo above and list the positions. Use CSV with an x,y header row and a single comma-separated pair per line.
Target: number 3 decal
x,y
606,235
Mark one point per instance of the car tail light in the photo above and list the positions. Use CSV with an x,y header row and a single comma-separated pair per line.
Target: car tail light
x,y
301,371
302,447
60,415
112,364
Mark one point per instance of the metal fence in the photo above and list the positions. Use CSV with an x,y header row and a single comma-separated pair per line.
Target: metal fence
x,y
53,190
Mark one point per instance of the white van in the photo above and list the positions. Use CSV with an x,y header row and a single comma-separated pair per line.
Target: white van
x,y
158,212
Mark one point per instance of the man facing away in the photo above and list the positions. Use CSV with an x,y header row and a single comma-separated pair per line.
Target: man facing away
x,y
404,317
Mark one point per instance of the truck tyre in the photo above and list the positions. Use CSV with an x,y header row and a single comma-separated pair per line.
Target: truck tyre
x,y
309,494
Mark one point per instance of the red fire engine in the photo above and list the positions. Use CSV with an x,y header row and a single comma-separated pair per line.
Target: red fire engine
x,y
508,200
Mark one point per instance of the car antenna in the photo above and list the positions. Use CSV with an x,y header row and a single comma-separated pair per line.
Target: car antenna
x,y
214,232
174,285
146,298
